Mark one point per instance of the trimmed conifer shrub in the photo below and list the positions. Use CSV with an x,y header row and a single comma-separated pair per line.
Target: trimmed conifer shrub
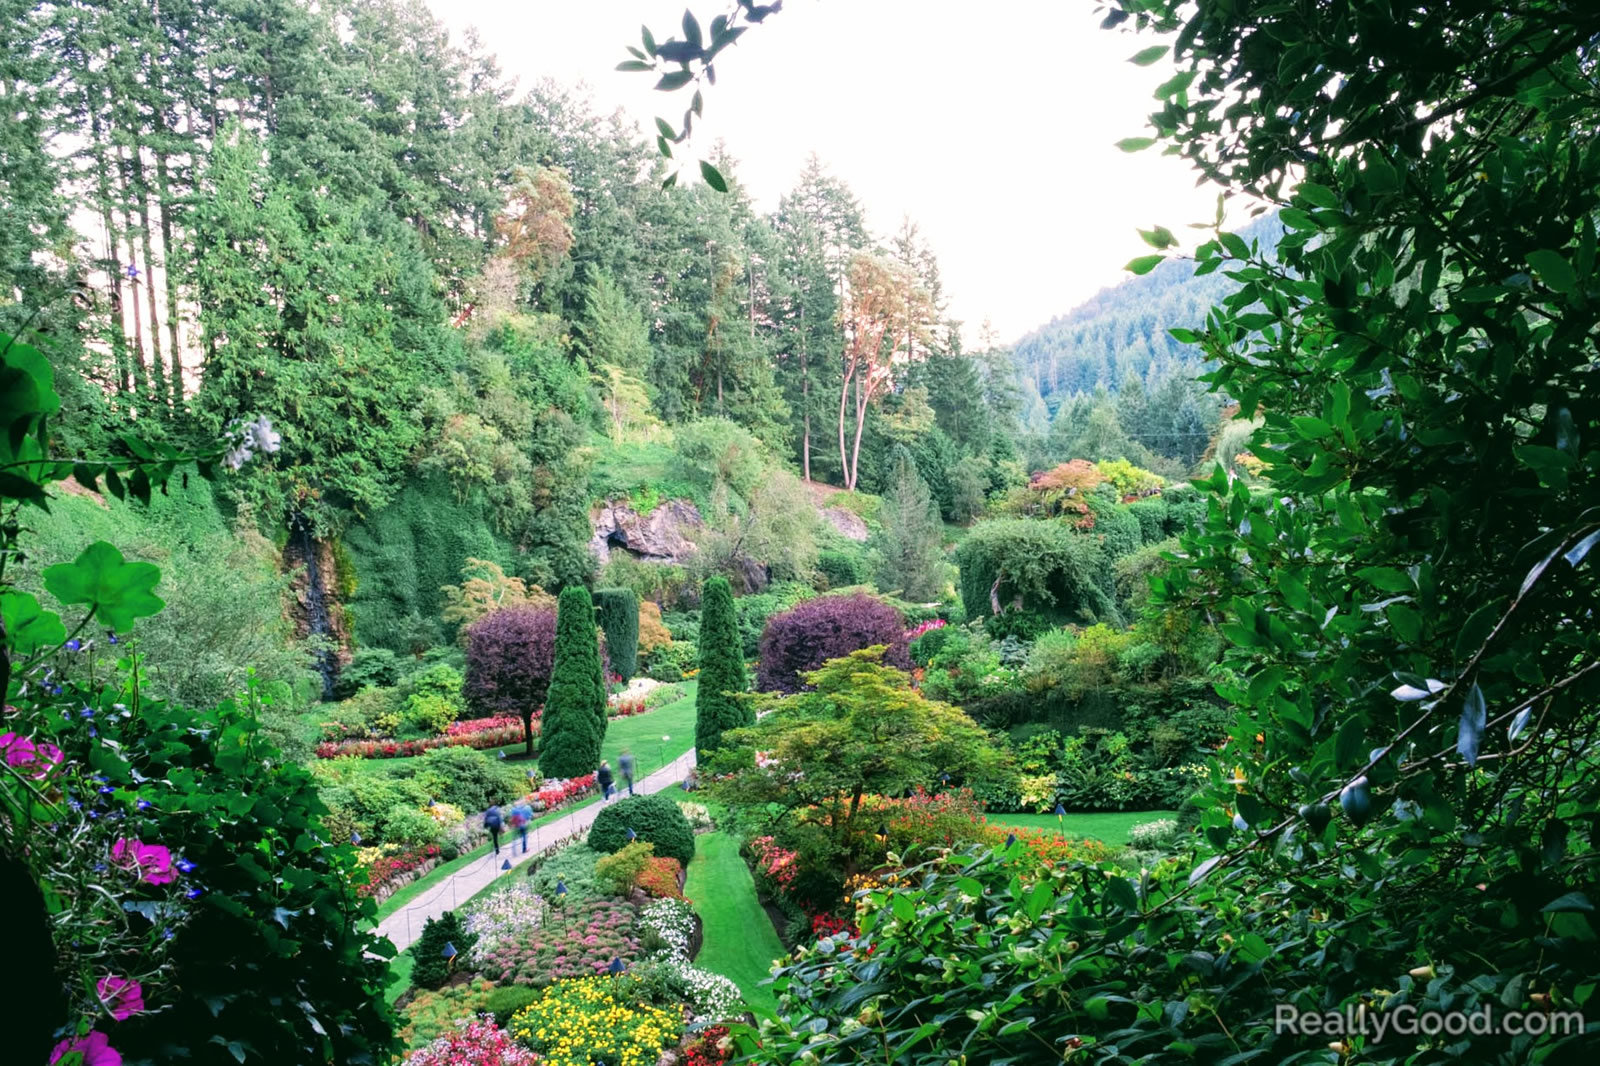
x,y
433,969
829,627
618,610
575,707
655,819
721,669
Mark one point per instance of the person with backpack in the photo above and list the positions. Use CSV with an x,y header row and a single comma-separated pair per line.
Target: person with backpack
x,y
521,816
625,768
603,778
493,822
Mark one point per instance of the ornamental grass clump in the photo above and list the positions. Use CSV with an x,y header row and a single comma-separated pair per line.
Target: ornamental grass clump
x,y
592,1020
575,940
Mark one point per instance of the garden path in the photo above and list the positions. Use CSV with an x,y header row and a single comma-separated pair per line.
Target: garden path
x,y
404,926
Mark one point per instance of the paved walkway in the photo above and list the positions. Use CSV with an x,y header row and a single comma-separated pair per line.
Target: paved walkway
x,y
404,926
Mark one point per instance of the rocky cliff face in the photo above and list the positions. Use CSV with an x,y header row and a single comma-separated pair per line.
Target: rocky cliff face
x,y
665,535
850,525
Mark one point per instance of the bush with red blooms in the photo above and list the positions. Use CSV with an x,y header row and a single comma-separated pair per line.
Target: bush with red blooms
x,y
468,726
486,736
392,867
709,1048
659,878
775,867
474,1042
830,925
808,634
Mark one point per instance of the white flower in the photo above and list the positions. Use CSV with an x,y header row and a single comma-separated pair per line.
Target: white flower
x,y
505,915
262,436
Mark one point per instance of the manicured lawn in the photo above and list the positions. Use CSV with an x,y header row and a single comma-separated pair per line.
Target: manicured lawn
x,y
740,942
400,968
1108,826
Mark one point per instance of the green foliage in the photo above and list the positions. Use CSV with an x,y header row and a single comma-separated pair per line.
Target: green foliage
x,y
433,969
1043,566
368,668
911,559
506,1000
618,611
574,722
753,612
1119,529
840,568
654,819
617,872
718,707
572,866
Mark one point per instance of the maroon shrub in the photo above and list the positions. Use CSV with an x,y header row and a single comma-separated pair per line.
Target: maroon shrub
x,y
510,653
828,627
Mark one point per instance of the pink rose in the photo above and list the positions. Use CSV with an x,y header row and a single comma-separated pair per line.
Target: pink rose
x,y
153,861
94,1048
122,997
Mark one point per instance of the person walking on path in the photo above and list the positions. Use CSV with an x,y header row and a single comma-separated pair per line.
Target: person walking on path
x,y
521,816
625,768
493,822
603,778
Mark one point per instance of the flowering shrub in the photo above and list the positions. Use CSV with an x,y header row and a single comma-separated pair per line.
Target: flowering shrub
x,y
924,627
831,925
775,867
659,878
434,1013
580,1022
712,1048
469,726
709,997
626,708
392,871
506,915
576,940
475,1042
699,815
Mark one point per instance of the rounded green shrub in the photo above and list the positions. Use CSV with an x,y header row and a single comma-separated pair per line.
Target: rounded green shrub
x,y
655,819
506,1000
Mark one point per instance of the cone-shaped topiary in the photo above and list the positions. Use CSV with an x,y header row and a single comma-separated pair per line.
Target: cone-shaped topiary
x,y
721,669
619,617
655,819
575,707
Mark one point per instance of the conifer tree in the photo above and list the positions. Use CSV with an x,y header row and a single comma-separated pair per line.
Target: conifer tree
x,y
911,558
575,707
721,670
619,618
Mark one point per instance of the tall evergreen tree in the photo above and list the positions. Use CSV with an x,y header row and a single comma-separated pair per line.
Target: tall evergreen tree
x,y
911,559
721,669
575,706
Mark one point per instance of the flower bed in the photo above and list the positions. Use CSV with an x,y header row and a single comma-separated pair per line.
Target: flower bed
x,y
577,940
555,792
387,874
505,916
497,736
585,1021
475,1041
468,726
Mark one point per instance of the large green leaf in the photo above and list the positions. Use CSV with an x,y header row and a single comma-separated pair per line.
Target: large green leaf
x,y
116,590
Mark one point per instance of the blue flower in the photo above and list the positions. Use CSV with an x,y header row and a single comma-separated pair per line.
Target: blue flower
x,y
187,867
87,712
144,805
106,790
74,644
166,934
195,893
111,637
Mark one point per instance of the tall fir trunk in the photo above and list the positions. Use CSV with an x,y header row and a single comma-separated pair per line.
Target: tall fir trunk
x,y
141,193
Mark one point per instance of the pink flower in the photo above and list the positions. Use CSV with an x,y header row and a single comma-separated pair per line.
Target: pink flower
x,y
122,997
153,861
94,1049
36,759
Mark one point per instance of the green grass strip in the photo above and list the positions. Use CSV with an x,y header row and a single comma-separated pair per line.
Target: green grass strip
x,y
740,943
1110,827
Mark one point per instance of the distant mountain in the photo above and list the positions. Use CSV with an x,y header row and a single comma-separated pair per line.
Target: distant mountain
x,y
1124,328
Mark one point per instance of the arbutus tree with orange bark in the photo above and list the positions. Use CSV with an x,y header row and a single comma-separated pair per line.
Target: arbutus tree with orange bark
x,y
884,307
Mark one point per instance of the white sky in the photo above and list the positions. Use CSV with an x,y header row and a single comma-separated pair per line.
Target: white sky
x,y
991,125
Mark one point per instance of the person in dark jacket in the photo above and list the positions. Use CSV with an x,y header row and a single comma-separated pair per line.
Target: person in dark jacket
x,y
493,822
603,778
521,817
625,768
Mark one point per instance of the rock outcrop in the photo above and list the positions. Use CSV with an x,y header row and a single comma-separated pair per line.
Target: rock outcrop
x,y
665,535
850,525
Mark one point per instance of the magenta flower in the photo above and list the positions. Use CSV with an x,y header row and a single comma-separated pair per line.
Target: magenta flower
x,y
153,861
121,996
35,759
94,1049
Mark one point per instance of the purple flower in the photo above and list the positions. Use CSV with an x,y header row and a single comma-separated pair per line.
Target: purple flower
x,y
152,861
122,997
94,1048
